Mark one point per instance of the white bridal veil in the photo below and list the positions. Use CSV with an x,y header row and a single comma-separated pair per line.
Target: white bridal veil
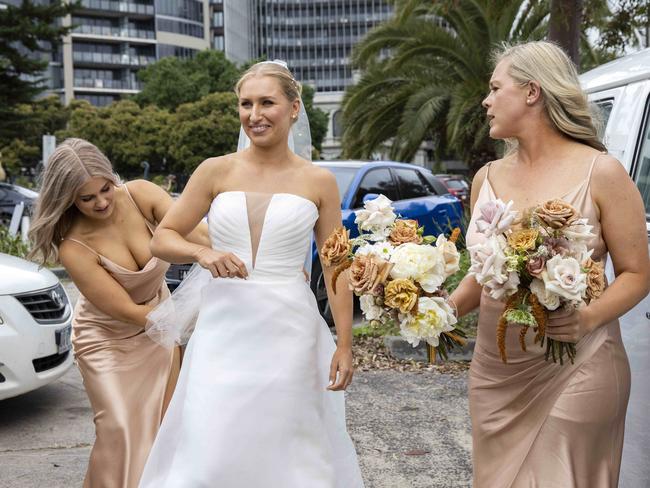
x,y
172,321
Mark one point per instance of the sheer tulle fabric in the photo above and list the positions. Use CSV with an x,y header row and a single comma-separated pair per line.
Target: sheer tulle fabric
x,y
172,322
251,409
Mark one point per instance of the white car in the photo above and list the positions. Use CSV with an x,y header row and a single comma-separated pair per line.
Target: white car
x,y
621,89
35,327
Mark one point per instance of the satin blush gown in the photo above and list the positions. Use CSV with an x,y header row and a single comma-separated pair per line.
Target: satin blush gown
x,y
538,424
251,409
128,378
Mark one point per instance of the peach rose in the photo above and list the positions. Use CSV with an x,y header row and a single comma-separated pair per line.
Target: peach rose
x,y
595,279
556,214
401,294
523,240
405,231
367,273
336,248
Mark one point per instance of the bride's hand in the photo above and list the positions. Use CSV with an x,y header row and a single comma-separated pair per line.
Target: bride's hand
x,y
341,363
221,264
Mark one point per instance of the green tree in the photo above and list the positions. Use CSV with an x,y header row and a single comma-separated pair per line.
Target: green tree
x,y
318,119
44,116
125,132
425,72
624,24
171,82
27,32
565,26
202,129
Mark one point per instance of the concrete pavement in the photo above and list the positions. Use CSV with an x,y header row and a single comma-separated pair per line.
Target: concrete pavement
x,y
411,430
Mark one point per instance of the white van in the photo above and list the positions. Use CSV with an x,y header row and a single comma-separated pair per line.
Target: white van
x,y
621,89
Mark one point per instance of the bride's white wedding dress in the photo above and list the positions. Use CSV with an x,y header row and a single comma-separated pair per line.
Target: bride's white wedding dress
x,y
251,409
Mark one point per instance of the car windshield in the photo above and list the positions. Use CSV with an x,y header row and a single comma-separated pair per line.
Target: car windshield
x,y
344,177
455,184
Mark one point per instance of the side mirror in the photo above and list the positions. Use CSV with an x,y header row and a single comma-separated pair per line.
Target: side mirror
x,y
370,196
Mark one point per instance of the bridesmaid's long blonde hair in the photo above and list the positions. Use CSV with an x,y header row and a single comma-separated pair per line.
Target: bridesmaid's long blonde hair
x,y
565,102
73,163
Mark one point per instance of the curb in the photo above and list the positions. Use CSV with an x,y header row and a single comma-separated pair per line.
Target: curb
x,y
399,348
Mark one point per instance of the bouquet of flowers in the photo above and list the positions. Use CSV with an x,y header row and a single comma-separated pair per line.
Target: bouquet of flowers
x,y
535,265
398,273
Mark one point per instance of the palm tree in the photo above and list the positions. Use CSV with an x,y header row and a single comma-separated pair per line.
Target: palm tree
x,y
425,72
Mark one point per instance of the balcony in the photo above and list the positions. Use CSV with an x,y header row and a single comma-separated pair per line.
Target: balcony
x,y
114,59
107,85
121,7
114,32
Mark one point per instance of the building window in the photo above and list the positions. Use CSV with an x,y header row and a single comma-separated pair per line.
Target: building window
x,y
176,51
217,19
337,124
180,27
218,43
184,9
97,100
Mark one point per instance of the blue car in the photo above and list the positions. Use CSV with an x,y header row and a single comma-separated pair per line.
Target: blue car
x,y
415,192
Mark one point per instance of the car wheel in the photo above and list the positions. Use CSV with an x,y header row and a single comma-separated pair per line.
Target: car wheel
x,y
320,290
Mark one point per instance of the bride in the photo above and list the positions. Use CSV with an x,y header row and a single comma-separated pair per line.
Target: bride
x,y
259,401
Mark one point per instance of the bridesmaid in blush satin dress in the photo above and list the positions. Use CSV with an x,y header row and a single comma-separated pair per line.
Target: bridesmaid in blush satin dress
x,y
100,230
538,424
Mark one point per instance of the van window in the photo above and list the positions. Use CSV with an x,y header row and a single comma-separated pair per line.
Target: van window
x,y
642,163
605,110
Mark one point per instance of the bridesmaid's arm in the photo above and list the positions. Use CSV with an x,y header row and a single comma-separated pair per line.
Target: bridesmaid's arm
x,y
329,218
467,296
171,239
154,202
98,286
623,225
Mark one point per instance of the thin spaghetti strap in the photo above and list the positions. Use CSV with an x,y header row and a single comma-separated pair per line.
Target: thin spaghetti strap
x,y
84,245
138,208
593,163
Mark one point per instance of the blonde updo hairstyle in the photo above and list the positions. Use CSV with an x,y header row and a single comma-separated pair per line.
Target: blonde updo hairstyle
x,y
565,103
73,163
291,87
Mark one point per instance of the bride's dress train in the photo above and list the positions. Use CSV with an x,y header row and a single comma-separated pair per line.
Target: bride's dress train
x,y
251,409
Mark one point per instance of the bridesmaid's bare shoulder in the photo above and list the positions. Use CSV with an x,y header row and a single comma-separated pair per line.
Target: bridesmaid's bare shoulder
x,y
610,181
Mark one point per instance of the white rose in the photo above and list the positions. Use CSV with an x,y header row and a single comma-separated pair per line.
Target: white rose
x,y
579,231
422,263
490,267
383,249
564,277
376,216
371,311
434,316
580,251
495,217
450,254
548,299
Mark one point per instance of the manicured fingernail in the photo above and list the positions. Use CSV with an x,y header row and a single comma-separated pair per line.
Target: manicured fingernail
x,y
331,383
